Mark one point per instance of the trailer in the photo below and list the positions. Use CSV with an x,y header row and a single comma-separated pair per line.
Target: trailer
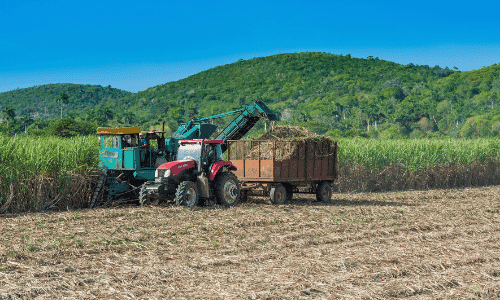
x,y
279,169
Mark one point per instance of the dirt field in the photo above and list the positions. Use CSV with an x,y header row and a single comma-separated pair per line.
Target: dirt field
x,y
440,244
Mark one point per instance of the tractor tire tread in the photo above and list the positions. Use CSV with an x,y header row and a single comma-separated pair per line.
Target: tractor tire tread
x,y
143,195
181,193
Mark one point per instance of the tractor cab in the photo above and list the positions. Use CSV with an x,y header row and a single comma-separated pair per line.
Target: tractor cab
x,y
203,152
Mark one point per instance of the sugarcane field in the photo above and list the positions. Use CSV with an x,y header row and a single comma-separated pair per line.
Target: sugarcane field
x,y
394,225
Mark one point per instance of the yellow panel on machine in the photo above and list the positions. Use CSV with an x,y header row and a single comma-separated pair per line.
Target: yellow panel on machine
x,y
118,130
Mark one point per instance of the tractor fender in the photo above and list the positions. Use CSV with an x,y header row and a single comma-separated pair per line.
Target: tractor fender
x,y
176,167
219,165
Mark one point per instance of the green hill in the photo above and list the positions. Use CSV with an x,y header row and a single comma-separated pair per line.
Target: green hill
x,y
43,101
327,91
334,94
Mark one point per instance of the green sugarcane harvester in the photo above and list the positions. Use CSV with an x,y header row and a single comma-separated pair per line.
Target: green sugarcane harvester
x,y
126,164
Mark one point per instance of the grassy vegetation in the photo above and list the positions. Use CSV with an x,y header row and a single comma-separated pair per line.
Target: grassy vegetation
x,y
38,173
416,154
34,171
370,165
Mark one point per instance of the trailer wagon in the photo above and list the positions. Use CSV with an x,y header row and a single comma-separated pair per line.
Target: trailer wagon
x,y
279,169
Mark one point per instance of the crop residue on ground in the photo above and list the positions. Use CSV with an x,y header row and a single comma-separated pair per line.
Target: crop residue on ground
x,y
415,244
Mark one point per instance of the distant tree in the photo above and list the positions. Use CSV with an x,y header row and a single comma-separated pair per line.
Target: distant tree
x,y
442,72
68,127
25,121
128,118
425,124
477,126
104,114
63,100
495,85
393,83
175,114
8,114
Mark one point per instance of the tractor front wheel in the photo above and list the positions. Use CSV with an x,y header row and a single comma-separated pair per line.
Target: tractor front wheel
x,y
187,194
227,189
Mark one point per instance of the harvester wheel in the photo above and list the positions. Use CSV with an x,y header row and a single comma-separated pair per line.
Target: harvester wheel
x,y
227,189
278,194
143,195
324,191
187,194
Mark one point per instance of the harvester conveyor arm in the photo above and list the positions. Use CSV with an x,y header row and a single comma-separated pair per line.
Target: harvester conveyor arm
x,y
221,115
244,122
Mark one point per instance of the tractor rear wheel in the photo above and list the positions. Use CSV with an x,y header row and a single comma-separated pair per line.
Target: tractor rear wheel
x,y
227,189
187,194
278,194
324,191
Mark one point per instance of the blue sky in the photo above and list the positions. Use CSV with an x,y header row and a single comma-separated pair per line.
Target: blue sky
x,y
133,45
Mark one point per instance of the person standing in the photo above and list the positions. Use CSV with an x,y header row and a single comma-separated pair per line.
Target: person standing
x,y
143,142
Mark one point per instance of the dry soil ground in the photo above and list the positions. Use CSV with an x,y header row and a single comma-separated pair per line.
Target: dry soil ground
x,y
440,244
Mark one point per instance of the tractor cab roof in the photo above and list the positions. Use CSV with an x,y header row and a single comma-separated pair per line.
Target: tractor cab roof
x,y
199,141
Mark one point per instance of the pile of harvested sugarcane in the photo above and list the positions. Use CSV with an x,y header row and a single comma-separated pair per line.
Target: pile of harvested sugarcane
x,y
288,142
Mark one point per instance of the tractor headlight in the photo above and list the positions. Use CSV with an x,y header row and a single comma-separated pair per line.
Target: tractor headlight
x,y
162,173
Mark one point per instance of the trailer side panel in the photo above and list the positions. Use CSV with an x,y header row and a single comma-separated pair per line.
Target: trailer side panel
x,y
283,161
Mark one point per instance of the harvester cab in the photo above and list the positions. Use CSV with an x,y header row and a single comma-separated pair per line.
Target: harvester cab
x,y
120,149
125,164
199,173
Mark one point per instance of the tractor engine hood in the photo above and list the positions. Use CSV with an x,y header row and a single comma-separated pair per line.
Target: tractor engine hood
x,y
177,166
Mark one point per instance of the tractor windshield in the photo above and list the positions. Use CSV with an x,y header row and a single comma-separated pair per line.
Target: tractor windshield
x,y
189,152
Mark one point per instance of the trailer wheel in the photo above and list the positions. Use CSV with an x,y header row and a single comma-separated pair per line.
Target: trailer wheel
x,y
244,196
278,194
143,195
187,194
227,189
289,191
324,191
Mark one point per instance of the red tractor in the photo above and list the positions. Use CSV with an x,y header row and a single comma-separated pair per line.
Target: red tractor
x,y
199,172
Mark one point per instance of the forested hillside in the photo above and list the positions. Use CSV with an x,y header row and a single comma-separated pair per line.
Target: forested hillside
x,y
24,107
334,94
338,94
322,89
